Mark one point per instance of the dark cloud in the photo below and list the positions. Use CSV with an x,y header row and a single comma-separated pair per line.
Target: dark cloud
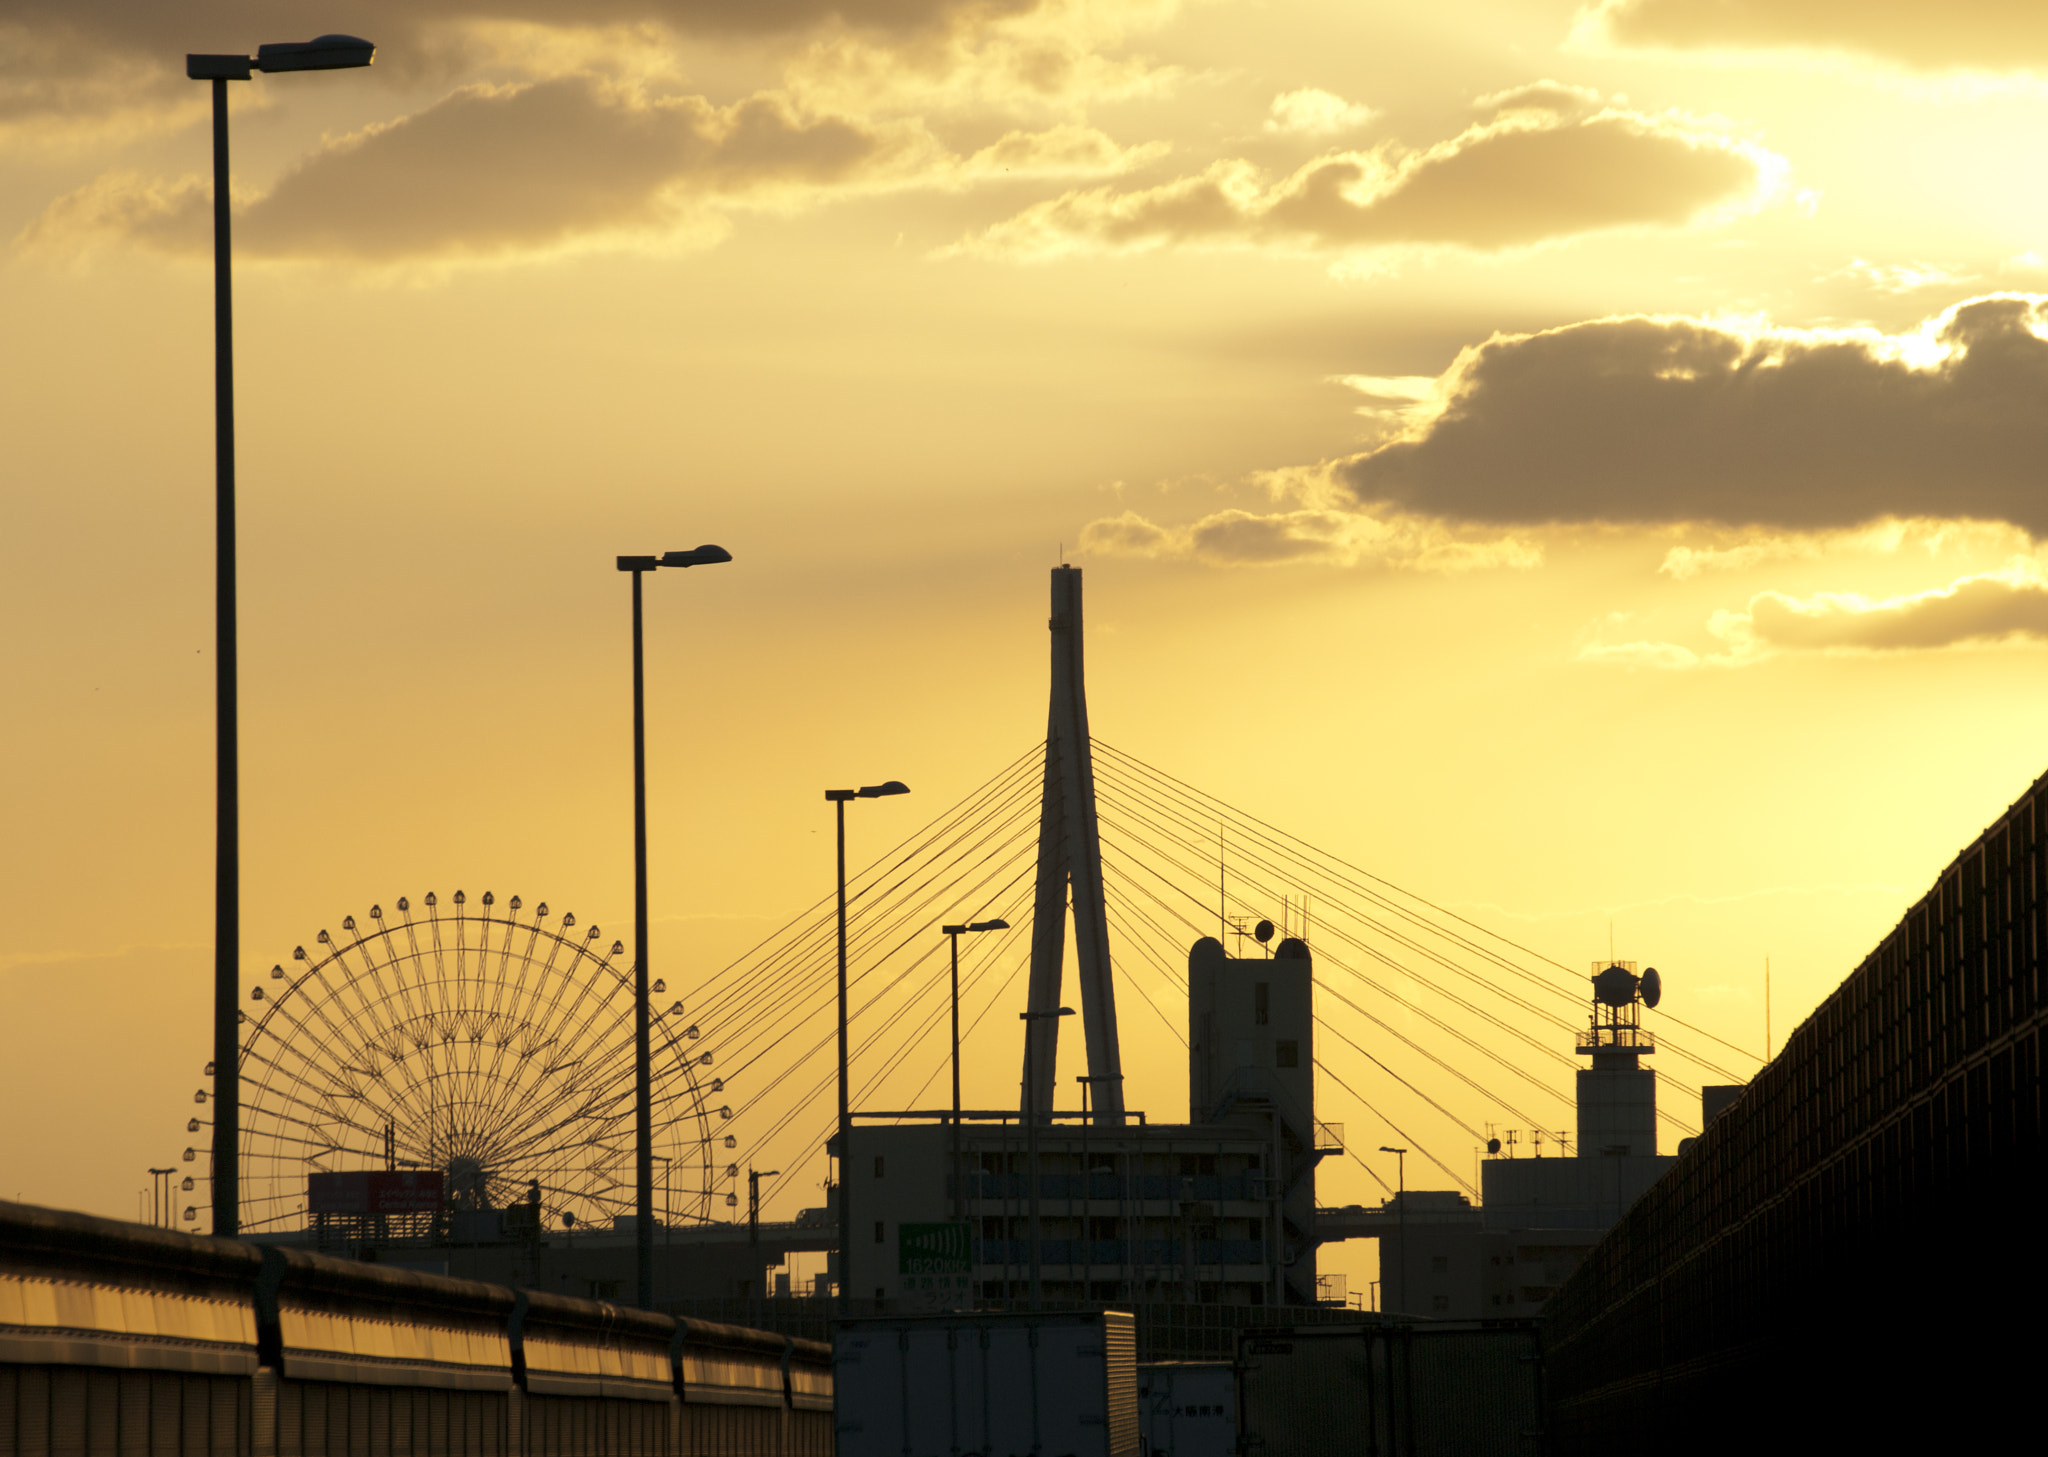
x,y
1238,538
490,169
80,58
495,170
1975,609
1536,176
1665,420
2009,606
1981,35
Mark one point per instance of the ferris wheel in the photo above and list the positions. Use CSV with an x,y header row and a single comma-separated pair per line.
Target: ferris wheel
x,y
466,1040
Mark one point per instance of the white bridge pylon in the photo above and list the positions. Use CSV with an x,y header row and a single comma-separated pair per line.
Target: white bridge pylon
x,y
1070,860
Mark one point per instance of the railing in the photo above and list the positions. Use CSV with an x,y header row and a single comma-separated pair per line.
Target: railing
x,y
1017,1252
1208,1187
266,1350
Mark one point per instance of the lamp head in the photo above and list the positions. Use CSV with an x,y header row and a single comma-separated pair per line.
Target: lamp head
x,y
876,791
703,556
954,930
990,926
323,53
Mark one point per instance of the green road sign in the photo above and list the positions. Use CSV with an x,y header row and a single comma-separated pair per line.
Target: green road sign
x,y
934,1249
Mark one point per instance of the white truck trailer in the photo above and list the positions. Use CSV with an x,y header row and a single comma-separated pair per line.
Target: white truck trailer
x,y
987,1385
1188,1408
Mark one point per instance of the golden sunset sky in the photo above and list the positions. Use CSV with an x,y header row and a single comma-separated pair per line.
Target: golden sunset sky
x,y
1580,462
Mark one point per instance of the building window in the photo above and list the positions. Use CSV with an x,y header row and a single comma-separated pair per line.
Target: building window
x,y
1440,1264
1262,1004
1440,1303
878,1166
1287,1053
878,1232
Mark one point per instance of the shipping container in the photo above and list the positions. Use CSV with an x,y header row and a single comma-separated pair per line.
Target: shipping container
x,y
1024,1385
1188,1408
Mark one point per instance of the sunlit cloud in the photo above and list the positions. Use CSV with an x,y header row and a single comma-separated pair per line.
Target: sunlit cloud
x,y
1555,98
2006,606
1883,538
1900,278
1978,35
496,170
1526,177
1665,420
1312,113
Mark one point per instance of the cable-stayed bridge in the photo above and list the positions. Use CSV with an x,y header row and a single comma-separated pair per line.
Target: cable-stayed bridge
x,y
1432,1032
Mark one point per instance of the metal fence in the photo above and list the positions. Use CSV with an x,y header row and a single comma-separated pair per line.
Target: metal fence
x,y
1839,1258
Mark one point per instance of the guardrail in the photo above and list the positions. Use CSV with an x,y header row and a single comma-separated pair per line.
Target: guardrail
x,y
119,1338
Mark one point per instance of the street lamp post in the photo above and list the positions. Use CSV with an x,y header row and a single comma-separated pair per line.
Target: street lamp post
x,y
643,1065
839,797
1031,1140
754,1178
953,935
1400,1217
328,53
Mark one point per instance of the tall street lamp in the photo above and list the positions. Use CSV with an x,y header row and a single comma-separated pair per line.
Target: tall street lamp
x,y
1401,1220
953,935
1029,1019
643,1069
839,797
328,53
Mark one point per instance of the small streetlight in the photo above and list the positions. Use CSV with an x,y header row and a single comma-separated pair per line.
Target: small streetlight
x,y
953,935
838,798
1400,1216
326,53
754,1178
1029,1019
643,1064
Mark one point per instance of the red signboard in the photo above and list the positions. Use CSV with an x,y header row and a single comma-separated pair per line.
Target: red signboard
x,y
374,1191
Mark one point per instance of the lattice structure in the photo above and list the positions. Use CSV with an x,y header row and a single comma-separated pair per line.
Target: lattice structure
x,y
487,1043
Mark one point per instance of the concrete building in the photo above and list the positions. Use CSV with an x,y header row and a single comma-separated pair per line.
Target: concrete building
x,y
1219,1210
1443,1257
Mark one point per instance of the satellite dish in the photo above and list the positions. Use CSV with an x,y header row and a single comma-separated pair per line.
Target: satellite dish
x,y
1653,986
1263,932
1493,1145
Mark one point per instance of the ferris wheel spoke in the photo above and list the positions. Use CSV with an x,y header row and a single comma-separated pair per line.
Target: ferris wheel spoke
x,y
491,1046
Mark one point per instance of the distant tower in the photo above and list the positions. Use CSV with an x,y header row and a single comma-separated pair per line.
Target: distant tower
x,y
1618,1096
1070,855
